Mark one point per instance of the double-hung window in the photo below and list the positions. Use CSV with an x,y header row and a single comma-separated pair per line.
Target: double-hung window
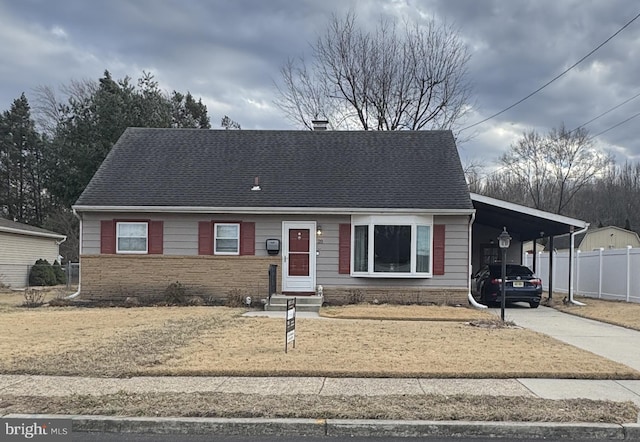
x,y
131,237
226,238
392,246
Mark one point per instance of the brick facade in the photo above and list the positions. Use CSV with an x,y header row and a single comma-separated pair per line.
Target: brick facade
x,y
118,277
394,295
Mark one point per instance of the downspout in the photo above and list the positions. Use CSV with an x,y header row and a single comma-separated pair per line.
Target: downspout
x,y
74,295
472,301
571,300
59,255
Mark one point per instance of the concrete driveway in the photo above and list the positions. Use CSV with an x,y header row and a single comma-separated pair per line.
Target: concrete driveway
x,y
612,342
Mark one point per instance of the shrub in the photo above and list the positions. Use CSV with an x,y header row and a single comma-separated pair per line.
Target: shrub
x,y
58,271
235,298
355,296
42,274
195,301
175,294
60,302
33,298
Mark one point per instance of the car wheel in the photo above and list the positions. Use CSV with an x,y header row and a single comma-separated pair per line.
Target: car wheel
x,y
533,304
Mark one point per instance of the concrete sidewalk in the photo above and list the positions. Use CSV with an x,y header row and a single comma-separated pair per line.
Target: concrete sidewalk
x,y
543,388
50,386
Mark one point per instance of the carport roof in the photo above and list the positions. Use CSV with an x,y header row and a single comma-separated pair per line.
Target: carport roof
x,y
524,221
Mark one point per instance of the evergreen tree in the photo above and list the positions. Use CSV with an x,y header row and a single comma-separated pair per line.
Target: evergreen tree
x,y
22,170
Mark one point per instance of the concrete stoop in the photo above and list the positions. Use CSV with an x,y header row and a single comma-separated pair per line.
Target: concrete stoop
x,y
309,303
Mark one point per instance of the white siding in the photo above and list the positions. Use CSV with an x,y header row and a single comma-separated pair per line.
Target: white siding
x,y
18,252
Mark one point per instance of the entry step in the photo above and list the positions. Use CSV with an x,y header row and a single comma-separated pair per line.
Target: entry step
x,y
303,303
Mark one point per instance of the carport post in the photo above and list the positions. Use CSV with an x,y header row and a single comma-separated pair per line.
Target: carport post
x,y
550,267
535,242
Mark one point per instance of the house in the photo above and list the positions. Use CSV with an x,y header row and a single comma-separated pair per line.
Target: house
x,y
20,246
384,215
610,237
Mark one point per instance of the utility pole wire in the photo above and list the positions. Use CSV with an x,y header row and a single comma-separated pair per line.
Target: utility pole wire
x,y
606,112
554,79
616,125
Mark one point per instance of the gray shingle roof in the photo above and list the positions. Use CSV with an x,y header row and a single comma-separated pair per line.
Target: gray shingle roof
x,y
328,169
8,225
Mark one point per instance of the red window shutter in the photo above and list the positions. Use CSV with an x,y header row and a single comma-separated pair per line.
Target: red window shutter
x,y
108,237
438,249
156,237
248,239
344,249
205,238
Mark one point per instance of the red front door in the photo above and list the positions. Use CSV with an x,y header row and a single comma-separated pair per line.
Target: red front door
x,y
299,252
299,256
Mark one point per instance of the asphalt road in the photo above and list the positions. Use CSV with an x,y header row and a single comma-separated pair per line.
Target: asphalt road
x,y
114,437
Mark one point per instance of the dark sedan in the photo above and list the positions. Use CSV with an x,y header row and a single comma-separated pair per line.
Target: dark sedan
x,y
521,285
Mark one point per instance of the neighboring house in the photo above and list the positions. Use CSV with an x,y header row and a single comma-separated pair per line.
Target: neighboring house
x,y
382,214
20,246
609,237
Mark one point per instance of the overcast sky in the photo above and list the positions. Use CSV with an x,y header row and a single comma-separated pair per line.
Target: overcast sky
x,y
229,53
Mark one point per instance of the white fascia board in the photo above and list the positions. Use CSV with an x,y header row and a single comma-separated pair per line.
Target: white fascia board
x,y
267,210
32,233
528,210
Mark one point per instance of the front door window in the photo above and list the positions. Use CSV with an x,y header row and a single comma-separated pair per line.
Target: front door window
x,y
299,252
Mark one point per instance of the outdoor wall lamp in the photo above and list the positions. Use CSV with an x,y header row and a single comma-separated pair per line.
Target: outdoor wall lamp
x,y
319,230
504,240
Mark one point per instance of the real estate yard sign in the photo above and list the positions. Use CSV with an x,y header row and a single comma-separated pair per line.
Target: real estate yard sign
x,y
290,324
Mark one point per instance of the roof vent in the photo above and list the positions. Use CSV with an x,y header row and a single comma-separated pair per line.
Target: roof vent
x,y
320,124
256,184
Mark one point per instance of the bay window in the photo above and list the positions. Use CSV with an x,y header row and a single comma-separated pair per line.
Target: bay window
x,y
392,246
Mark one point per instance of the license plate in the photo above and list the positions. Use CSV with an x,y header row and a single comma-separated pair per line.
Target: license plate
x,y
518,283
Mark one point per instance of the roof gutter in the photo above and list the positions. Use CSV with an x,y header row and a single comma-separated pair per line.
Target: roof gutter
x,y
31,233
573,239
269,210
472,300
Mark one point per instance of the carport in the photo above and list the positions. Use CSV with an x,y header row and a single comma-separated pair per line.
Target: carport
x,y
523,224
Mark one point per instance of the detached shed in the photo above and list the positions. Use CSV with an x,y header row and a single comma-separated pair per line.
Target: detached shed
x,y
20,246
609,237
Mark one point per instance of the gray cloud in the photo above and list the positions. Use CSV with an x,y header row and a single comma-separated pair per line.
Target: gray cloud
x,y
230,52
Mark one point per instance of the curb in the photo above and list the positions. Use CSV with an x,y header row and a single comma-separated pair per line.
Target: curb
x,y
344,428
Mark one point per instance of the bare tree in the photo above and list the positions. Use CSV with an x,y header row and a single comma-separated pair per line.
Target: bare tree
x,y
50,110
387,79
553,168
228,123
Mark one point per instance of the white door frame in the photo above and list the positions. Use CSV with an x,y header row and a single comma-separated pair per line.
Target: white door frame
x,y
298,283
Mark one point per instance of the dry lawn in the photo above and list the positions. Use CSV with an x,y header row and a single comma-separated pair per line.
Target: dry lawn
x,y
402,407
218,341
405,313
624,314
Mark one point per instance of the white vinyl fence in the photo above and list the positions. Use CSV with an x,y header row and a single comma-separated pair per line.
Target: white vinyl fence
x,y
607,274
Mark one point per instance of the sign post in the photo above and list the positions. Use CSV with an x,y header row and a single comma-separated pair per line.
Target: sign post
x,y
290,324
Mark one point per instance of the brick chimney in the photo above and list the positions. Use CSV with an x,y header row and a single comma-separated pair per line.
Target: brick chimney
x,y
320,124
